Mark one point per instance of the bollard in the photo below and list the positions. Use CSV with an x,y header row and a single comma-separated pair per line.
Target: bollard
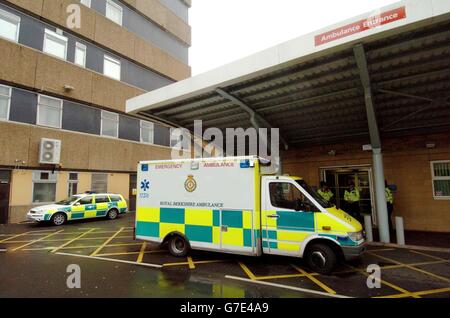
x,y
399,230
368,227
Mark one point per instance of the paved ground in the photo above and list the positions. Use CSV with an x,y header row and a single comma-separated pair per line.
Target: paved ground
x,y
34,259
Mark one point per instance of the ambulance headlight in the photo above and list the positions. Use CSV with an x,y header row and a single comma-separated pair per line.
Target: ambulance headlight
x,y
356,236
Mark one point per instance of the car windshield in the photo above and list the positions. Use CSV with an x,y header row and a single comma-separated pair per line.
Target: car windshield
x,y
69,201
314,194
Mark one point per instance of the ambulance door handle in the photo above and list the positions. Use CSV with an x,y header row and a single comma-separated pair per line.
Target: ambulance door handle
x,y
224,228
273,216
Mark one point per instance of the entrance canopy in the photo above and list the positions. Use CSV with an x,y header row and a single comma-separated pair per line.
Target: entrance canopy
x,y
319,88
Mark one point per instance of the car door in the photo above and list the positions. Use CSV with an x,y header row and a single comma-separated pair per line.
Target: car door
x,y
102,205
287,218
84,208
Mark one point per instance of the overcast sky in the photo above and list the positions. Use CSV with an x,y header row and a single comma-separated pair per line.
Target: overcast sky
x,y
227,30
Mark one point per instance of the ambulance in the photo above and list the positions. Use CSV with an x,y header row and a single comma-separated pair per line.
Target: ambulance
x,y
240,205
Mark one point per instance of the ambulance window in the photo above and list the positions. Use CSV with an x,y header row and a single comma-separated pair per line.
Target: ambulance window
x,y
115,198
285,195
86,200
101,199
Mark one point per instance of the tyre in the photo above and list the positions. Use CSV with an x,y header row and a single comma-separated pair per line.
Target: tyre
x,y
112,214
58,219
321,258
178,246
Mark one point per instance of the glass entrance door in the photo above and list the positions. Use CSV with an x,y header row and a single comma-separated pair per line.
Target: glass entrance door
x,y
339,179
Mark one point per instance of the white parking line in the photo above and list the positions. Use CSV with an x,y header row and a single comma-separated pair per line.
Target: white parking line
x,y
310,291
112,260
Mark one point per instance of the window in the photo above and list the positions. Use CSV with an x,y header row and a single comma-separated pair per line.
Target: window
x,y
110,124
87,3
111,67
147,132
440,171
44,186
73,184
86,200
80,54
101,199
285,195
5,101
55,44
115,198
9,26
100,182
49,111
114,12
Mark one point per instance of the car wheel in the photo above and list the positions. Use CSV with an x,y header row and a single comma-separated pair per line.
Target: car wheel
x,y
178,246
321,258
112,214
58,219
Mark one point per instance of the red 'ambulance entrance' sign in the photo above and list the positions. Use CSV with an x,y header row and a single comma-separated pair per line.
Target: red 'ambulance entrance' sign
x,y
361,26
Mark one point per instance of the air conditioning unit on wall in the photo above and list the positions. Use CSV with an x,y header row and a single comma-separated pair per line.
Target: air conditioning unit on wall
x,y
50,151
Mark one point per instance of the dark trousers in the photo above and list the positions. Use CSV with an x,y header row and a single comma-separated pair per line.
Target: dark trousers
x,y
390,209
353,210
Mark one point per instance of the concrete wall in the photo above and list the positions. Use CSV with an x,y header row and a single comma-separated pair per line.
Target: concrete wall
x,y
406,163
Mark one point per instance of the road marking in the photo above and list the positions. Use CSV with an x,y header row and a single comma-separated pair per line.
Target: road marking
x,y
382,281
247,271
445,279
315,280
425,254
71,241
310,291
107,242
130,253
194,262
110,260
35,241
12,237
79,247
142,252
190,263
419,293
3,250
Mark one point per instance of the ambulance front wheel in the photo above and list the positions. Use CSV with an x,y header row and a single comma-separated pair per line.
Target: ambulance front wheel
x,y
58,219
178,246
321,258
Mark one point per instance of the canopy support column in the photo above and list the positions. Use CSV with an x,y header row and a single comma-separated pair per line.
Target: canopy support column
x,y
377,157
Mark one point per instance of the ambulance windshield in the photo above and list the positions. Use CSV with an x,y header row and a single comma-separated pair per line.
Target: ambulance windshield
x,y
314,194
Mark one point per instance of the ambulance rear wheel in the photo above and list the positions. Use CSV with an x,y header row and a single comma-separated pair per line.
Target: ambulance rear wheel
x,y
178,246
112,214
58,219
321,258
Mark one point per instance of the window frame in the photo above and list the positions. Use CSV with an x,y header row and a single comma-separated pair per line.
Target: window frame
x,y
51,180
38,123
114,5
435,178
81,46
101,124
10,17
87,4
71,182
58,37
107,57
152,127
92,181
8,106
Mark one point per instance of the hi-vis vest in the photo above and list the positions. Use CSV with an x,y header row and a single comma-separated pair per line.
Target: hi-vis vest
x,y
352,196
327,195
389,196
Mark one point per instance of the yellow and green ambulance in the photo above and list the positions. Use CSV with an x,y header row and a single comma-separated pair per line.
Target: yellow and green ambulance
x,y
236,205
80,206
